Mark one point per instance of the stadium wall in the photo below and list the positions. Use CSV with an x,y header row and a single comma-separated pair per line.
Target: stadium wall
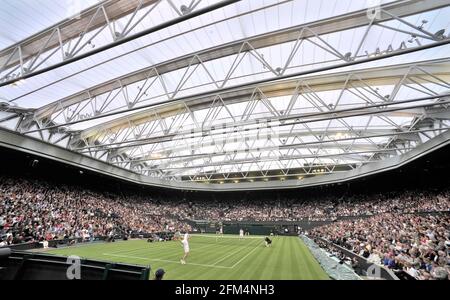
x,y
266,228
290,228
22,265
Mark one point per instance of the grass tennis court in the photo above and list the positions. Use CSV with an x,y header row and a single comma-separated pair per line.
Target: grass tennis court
x,y
212,258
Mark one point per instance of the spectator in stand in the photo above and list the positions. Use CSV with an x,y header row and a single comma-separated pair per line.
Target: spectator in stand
x,y
414,244
36,211
407,232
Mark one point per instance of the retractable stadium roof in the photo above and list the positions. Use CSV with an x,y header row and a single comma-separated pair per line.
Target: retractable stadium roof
x,y
223,95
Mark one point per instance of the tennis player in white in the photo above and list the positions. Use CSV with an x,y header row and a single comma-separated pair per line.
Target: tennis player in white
x,y
241,234
219,233
185,243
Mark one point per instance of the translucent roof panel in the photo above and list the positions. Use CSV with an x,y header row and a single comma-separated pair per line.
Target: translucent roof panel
x,y
254,89
21,19
232,23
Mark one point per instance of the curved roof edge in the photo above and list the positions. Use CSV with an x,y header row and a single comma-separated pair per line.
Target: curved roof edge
x,y
15,141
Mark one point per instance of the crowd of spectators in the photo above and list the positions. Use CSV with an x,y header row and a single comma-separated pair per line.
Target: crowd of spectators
x,y
417,245
406,231
37,211
324,209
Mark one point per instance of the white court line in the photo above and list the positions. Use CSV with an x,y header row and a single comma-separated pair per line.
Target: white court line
x,y
242,259
130,250
232,253
148,247
155,259
194,264
173,251
165,260
228,237
155,248
195,250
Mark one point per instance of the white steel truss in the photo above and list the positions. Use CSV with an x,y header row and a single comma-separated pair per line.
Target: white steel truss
x,y
277,127
100,26
270,113
194,72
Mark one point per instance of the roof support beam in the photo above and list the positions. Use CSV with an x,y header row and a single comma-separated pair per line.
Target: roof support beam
x,y
18,62
307,31
224,140
321,83
432,109
354,156
26,144
291,146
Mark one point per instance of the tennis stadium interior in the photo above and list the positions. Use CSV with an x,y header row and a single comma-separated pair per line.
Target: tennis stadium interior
x,y
269,140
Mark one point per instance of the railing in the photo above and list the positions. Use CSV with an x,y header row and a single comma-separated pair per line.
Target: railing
x,y
331,265
70,241
365,267
52,243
